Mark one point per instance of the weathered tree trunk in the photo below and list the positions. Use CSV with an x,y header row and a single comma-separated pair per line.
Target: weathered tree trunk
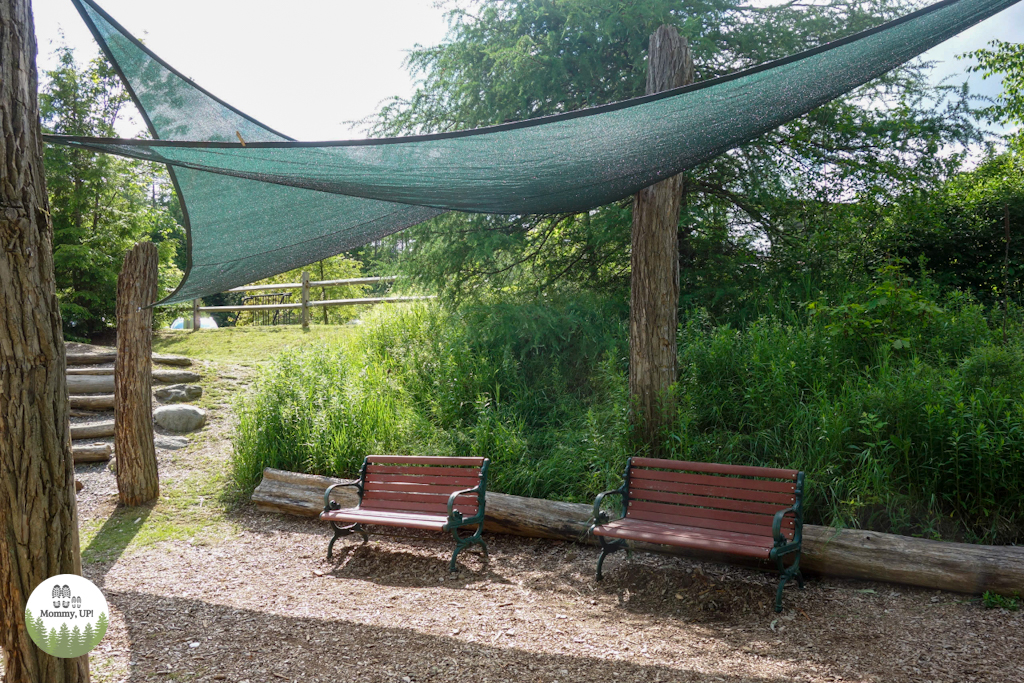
x,y
137,480
654,261
38,519
961,567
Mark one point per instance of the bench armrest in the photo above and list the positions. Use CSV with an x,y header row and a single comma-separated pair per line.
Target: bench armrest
x,y
358,483
781,540
602,517
451,504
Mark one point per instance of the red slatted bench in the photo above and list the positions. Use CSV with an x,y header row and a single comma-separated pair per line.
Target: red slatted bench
x,y
415,492
748,511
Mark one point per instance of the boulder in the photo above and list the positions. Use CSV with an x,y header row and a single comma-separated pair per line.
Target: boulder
x,y
178,393
170,443
180,418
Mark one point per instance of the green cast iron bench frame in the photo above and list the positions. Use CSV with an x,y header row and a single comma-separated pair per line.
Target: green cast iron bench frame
x,y
748,511
414,492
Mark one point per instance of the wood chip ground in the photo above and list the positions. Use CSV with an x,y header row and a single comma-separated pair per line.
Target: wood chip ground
x,y
261,603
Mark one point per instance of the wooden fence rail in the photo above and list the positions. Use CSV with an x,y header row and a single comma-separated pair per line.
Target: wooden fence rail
x,y
305,286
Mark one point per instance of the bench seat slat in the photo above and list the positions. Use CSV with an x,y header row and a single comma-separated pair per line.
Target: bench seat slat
x,y
423,460
439,499
373,479
704,501
713,468
412,470
715,480
688,537
707,513
782,499
466,509
414,487
764,531
386,518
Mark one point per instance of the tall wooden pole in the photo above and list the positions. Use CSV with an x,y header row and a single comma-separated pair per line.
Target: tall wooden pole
x,y
137,480
38,519
654,285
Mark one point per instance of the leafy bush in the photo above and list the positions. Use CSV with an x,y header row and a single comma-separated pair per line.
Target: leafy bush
x,y
924,438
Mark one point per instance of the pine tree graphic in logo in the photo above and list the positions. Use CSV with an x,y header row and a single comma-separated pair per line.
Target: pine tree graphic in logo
x,y
77,621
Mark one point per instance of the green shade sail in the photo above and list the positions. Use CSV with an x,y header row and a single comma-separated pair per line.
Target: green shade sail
x,y
259,203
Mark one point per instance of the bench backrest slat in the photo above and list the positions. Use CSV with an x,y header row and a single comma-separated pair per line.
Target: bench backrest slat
x,y
735,498
420,484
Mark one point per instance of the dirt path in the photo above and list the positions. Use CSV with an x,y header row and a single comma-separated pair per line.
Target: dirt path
x,y
199,593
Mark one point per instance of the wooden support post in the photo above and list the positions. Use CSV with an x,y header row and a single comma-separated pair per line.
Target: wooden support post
x,y
195,315
654,260
305,300
137,481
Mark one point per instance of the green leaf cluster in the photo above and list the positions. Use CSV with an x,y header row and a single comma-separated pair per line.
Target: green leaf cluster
x,y
506,60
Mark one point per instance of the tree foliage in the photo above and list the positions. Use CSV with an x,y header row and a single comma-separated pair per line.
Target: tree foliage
x,y
507,60
1006,60
100,205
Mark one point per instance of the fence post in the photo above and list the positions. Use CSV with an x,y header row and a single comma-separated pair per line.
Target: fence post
x,y
305,299
195,314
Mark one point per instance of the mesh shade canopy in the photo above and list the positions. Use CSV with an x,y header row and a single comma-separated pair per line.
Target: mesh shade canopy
x,y
259,203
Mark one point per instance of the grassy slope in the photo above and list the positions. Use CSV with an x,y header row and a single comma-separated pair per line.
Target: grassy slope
x,y
243,344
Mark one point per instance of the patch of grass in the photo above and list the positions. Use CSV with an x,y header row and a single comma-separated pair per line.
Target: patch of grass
x,y
245,344
995,601
186,510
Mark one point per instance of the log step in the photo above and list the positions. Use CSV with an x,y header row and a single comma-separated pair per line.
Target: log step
x,y
849,553
159,376
96,430
103,384
99,452
109,356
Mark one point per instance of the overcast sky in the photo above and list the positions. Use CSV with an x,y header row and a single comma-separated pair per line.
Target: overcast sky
x,y
305,67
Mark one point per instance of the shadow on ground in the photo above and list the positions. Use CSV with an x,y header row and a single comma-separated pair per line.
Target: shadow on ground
x,y
191,640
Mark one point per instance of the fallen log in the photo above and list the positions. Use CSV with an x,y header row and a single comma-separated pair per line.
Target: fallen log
x,y
849,553
93,402
96,430
98,452
88,414
94,358
159,376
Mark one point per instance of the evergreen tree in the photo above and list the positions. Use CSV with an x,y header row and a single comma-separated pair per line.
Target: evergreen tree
x,y
76,644
33,629
101,629
63,648
52,642
88,636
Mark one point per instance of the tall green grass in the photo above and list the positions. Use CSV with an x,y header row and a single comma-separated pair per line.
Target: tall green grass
x,y
906,413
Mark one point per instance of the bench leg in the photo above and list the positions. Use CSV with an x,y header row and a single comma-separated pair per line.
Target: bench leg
x,y
462,543
606,550
787,574
341,532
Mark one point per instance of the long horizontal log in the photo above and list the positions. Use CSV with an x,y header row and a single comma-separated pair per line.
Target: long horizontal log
x,y
159,376
99,452
97,430
109,356
90,384
850,553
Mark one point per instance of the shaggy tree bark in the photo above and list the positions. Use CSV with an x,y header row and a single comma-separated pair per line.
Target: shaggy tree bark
x,y
654,260
38,520
137,481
